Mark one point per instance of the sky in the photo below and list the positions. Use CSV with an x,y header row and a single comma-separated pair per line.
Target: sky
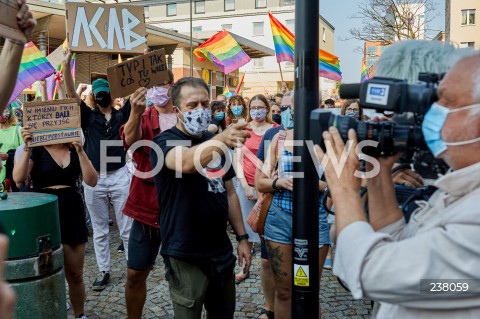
x,y
339,16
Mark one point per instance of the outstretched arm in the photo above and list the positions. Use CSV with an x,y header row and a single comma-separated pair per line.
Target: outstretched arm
x,y
12,54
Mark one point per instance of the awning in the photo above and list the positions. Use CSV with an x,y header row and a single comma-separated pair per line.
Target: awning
x,y
54,25
253,49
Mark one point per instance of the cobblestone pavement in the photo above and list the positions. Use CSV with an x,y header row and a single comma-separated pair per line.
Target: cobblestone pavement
x,y
110,303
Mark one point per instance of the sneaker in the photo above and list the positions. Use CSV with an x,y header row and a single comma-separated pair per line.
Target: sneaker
x,y
120,248
101,281
82,317
328,264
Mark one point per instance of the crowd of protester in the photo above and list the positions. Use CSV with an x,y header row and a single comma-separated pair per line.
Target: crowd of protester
x,y
182,211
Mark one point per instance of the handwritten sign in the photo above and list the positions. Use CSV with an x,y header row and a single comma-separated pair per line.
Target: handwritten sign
x,y
53,122
143,71
8,21
105,28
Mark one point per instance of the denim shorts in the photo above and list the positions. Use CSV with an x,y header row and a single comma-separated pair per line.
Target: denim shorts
x,y
278,226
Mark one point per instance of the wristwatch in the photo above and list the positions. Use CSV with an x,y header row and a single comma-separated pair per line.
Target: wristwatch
x,y
242,237
274,185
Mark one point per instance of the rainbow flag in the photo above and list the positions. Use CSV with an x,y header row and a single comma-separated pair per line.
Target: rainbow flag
x,y
329,66
53,80
226,90
223,51
284,40
364,75
33,67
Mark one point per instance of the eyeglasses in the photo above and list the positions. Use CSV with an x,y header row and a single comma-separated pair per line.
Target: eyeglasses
x,y
276,112
285,107
258,108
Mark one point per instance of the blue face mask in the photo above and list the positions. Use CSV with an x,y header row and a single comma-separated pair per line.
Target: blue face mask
x,y
220,116
237,110
432,128
287,119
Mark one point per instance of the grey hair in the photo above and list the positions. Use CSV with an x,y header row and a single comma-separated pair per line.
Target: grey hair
x,y
406,59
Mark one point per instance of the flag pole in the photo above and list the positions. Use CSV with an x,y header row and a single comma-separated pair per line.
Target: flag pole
x,y
281,73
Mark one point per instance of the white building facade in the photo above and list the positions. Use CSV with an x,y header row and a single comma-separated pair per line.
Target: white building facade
x,y
248,19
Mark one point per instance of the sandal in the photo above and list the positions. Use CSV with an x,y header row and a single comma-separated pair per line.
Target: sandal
x,y
240,278
269,313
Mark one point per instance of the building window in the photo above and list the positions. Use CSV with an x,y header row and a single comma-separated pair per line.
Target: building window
x,y
199,6
227,27
258,63
290,24
467,44
468,17
220,78
372,50
171,9
229,5
324,35
197,29
260,4
258,28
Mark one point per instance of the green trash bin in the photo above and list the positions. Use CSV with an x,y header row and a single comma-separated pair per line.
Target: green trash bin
x,y
34,267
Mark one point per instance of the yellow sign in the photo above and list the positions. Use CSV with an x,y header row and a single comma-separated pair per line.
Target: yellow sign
x,y
206,76
301,278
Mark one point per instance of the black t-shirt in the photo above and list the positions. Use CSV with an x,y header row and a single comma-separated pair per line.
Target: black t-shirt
x,y
96,128
193,208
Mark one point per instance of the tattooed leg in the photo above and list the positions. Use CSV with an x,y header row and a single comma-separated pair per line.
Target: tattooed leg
x,y
280,256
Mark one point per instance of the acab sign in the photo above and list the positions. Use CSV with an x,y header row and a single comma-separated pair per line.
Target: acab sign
x,y
105,28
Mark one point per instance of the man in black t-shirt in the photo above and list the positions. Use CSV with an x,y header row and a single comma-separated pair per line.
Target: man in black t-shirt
x,y
197,198
101,126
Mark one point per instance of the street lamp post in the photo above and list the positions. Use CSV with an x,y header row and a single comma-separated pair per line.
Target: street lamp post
x,y
191,37
305,190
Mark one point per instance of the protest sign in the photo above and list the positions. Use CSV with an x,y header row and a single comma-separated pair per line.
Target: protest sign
x,y
143,71
8,21
56,57
52,122
105,28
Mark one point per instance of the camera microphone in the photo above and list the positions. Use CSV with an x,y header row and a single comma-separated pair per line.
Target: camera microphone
x,y
350,91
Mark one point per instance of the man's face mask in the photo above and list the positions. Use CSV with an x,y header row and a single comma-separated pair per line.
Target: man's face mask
x,y
432,128
287,119
196,122
103,99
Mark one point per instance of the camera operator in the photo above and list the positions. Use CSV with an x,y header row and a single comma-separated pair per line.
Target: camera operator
x,y
386,259
405,60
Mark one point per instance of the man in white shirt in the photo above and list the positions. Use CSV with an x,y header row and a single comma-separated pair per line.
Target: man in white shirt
x,y
385,259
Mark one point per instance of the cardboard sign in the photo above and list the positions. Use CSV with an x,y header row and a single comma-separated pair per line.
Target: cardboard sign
x,y
52,122
105,28
8,21
56,57
143,71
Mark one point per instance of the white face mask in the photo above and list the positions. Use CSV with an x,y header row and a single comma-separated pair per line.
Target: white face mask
x,y
196,122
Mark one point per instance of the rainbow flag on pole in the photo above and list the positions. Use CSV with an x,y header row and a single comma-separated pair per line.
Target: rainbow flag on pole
x,y
223,51
33,67
284,40
364,75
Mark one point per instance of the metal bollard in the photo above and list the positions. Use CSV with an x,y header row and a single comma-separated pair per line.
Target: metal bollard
x,y
34,267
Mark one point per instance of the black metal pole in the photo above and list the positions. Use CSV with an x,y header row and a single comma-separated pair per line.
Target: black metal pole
x,y
305,190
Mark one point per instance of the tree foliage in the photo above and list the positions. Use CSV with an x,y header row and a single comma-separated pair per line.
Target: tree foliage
x,y
387,21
